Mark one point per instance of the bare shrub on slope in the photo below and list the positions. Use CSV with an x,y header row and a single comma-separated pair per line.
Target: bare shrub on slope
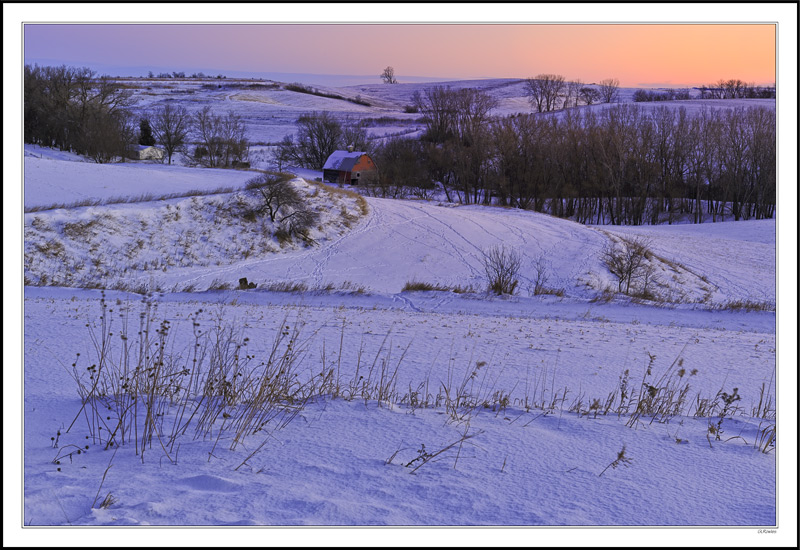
x,y
502,265
278,198
629,263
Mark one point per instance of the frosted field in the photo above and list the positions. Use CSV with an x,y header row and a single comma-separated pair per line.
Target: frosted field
x,y
378,444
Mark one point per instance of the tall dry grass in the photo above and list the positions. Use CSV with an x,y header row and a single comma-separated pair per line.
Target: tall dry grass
x,y
140,390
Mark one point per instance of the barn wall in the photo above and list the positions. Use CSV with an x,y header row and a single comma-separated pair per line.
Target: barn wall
x,y
364,164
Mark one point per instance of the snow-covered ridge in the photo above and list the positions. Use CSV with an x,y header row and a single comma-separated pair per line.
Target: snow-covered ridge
x,y
127,245
202,243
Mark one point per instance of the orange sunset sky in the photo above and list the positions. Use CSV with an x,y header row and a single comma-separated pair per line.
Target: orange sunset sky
x,y
637,54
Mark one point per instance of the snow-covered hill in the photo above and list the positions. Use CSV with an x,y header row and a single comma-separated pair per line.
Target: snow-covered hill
x,y
271,109
199,242
578,406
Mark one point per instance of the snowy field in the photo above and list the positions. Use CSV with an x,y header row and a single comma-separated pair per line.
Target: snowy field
x,y
389,407
50,181
271,111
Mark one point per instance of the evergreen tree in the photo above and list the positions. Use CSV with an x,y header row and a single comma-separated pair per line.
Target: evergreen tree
x,y
146,133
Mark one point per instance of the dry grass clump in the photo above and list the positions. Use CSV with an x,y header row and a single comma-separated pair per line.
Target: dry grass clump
x,y
745,305
657,398
424,456
301,287
419,286
622,459
765,440
765,408
285,286
79,229
606,296
547,291
350,287
52,247
218,284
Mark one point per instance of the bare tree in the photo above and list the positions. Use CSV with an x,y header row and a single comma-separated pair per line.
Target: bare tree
x,y
388,75
299,222
472,109
540,275
609,90
730,89
234,141
533,89
469,143
589,95
401,169
318,135
438,106
221,139
545,90
207,127
283,154
106,136
354,134
276,196
554,86
572,93
283,203
171,128
457,128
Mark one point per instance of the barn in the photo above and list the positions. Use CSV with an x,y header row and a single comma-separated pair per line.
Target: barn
x,y
351,167
145,152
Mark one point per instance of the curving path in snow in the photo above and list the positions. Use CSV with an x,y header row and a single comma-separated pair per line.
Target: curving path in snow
x,y
402,241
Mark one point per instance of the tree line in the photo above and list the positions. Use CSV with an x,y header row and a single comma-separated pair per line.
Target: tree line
x,y
182,74
73,109
735,88
621,165
550,92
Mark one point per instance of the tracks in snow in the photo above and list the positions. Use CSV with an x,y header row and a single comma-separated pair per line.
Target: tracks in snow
x,y
399,241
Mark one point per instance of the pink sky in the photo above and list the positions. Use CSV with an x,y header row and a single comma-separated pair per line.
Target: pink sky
x,y
636,54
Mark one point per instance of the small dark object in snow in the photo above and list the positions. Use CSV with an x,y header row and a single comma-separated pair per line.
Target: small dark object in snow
x,y
244,285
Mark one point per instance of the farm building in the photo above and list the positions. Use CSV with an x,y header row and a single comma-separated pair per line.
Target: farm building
x,y
351,167
145,152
